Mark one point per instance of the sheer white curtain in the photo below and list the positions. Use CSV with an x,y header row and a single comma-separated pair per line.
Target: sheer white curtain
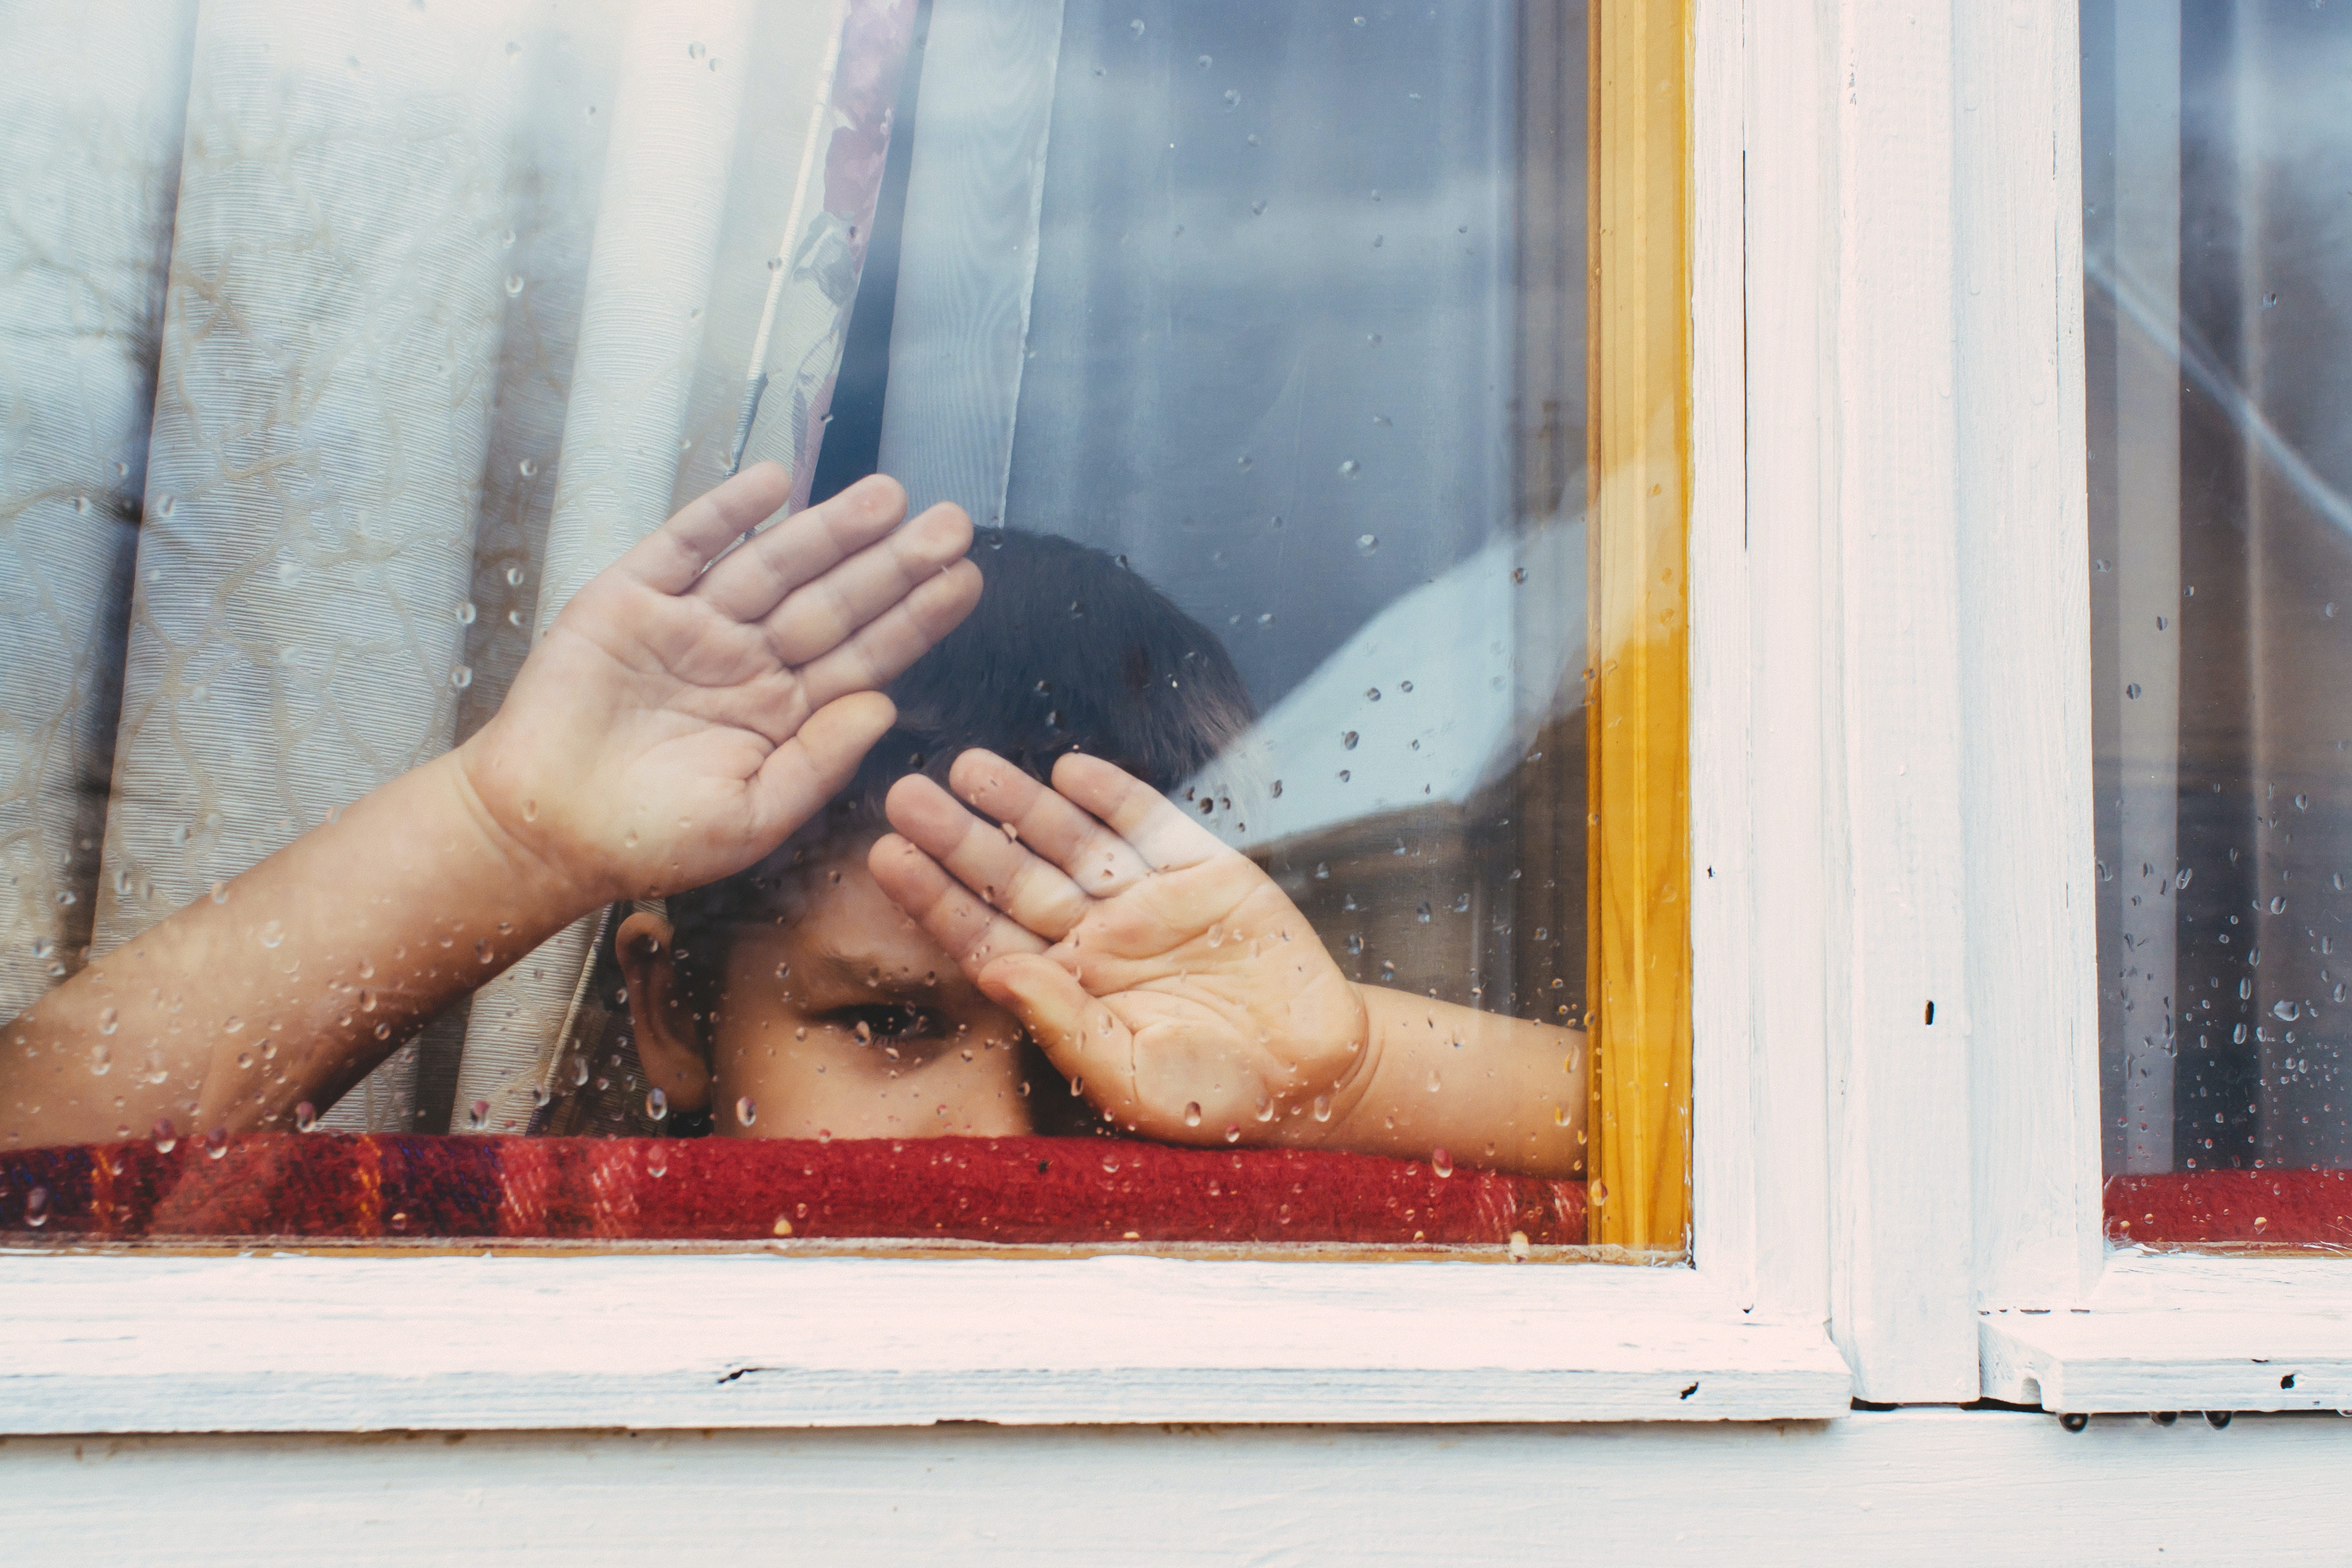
x,y
461,300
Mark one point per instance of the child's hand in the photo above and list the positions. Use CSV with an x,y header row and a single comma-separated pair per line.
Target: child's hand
x,y
681,718
1163,971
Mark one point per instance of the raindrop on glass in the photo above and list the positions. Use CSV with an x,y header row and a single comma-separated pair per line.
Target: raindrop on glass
x,y
462,677
167,1137
1441,1161
514,279
656,1104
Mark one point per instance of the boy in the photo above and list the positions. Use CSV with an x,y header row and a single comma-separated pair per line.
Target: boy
x,y
690,712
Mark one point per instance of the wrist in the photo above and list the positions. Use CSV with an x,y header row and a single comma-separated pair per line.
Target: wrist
x,y
1360,1119
545,886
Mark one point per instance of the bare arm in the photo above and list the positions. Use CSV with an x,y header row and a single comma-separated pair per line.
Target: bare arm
x,y
678,721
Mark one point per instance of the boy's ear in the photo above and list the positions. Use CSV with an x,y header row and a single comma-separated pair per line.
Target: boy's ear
x,y
670,1047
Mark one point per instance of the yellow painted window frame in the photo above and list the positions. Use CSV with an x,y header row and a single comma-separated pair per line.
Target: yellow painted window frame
x,y
1638,489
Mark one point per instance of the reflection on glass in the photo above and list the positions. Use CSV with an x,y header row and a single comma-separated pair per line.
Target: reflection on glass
x,y
2218,204
1239,831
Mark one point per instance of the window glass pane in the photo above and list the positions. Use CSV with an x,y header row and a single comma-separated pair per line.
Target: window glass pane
x,y
2217,202
1220,871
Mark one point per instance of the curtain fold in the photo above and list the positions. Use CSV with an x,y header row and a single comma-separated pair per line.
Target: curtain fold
x,y
700,189
92,109
321,419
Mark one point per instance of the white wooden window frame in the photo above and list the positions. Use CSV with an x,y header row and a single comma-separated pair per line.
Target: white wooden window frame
x,y
2064,1321
1850,625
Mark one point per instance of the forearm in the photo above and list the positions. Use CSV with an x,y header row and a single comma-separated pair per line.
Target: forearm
x,y
288,984
1490,1091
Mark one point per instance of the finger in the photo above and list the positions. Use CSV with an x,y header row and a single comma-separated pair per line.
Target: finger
x,y
1079,1035
673,556
810,768
821,614
967,929
980,855
1162,835
1093,856
750,583
883,648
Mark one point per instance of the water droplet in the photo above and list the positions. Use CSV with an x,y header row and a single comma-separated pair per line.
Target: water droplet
x,y
1355,946
579,1071
216,1142
657,1157
167,506
2278,904
1192,1113
1434,1084
36,1207
514,576
2303,803
825,1135
1233,1133
272,934
478,1116
1348,469
2287,1011
1264,1111
108,1021
541,1096
2132,691
462,677
2182,879
167,1137
514,279
694,51
1421,912
531,811
1348,741
1136,26
746,1111
656,1104
466,612
1441,1161
1519,573
1322,1108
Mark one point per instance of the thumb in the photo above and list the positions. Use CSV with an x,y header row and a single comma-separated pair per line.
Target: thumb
x,y
1079,1036
808,770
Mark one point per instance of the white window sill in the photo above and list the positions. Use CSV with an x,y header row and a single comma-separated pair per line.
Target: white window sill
x,y
297,1343
2179,1331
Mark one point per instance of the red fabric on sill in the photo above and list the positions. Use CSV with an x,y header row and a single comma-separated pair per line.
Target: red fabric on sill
x,y
2278,1208
726,1189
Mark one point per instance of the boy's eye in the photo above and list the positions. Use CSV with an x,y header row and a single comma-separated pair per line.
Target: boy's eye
x,y
887,1021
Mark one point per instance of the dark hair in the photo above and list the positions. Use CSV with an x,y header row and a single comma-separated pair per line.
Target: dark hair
x,y
1067,650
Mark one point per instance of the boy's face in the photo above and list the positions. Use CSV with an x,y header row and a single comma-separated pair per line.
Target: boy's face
x,y
849,1021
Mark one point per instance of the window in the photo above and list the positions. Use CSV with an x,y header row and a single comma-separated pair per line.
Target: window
x,y
2194,187
1265,333
458,1340
2213,203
